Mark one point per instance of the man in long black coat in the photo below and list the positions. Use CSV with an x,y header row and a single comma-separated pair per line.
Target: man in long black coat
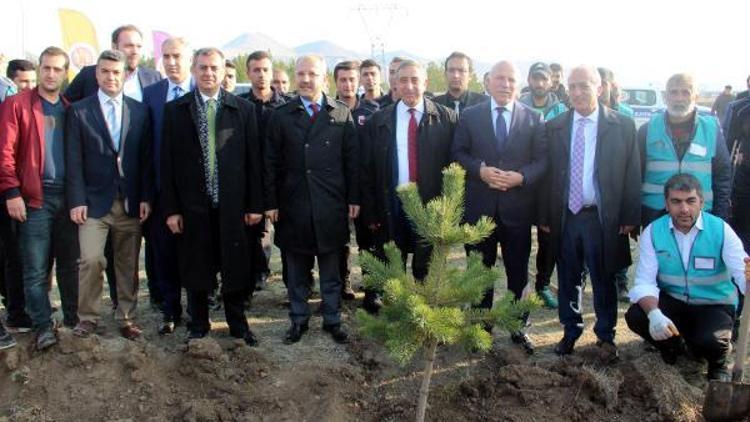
x,y
211,190
312,190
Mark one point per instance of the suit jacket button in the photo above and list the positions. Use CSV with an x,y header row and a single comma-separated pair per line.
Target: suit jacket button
x,y
307,145
309,171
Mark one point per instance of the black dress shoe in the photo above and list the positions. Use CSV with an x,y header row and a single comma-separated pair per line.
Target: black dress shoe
x,y
167,327
250,339
294,334
565,346
339,335
193,335
608,351
524,340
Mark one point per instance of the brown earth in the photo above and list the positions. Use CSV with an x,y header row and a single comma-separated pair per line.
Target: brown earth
x,y
219,379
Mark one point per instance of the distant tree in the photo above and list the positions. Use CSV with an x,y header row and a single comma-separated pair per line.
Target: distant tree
x,y
423,316
148,62
239,64
439,84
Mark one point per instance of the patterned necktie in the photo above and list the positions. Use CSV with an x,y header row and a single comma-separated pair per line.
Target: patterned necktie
x,y
176,92
501,129
113,123
211,120
411,136
315,109
575,196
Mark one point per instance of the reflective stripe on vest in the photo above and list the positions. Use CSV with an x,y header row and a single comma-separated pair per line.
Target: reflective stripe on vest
x,y
705,286
662,162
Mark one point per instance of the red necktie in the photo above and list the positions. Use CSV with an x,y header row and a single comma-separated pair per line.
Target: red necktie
x,y
412,138
315,108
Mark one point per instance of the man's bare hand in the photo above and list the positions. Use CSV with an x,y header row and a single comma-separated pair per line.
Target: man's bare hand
x,y
252,219
16,209
273,215
510,179
79,214
174,222
353,211
145,211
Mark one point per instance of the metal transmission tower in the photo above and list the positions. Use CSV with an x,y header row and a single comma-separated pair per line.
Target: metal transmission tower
x,y
377,20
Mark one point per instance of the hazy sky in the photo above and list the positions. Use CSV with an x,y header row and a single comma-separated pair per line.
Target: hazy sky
x,y
643,41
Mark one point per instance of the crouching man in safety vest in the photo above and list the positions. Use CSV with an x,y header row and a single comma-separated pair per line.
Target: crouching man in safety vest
x,y
690,267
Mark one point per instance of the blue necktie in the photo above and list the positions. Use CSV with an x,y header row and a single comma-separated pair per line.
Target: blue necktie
x,y
501,130
113,123
176,93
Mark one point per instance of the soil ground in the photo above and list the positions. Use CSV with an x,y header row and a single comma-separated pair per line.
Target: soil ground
x,y
218,378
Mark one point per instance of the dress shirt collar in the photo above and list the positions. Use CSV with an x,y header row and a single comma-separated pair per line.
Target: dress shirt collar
x,y
697,226
205,97
104,98
306,103
508,107
404,109
185,85
593,117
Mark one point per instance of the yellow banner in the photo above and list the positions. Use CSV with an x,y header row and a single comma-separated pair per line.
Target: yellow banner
x,y
79,40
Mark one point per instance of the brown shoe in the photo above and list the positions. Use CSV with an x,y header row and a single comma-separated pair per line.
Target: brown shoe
x,y
84,328
130,332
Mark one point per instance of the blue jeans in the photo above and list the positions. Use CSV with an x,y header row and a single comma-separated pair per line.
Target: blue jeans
x,y
49,233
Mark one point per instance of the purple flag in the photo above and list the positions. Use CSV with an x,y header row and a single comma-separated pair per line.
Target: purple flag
x,y
159,38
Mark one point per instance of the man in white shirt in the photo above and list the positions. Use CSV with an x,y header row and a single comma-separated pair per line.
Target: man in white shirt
x,y
690,266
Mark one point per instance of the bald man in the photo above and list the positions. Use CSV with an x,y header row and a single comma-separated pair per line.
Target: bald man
x,y
503,149
591,196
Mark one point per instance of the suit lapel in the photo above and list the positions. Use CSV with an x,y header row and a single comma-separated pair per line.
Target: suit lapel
x,y
516,117
303,118
96,111
125,123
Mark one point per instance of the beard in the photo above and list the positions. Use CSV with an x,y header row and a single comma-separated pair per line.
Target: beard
x,y
679,110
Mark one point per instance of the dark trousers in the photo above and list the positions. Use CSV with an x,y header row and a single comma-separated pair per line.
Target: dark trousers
x,y
545,260
582,245
741,220
234,311
515,242
48,233
298,267
110,271
11,278
706,329
165,272
259,255
365,242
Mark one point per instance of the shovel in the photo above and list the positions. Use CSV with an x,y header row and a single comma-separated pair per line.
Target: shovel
x,y
730,401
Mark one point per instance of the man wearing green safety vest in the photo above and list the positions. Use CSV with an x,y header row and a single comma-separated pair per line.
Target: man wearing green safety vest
x,y
690,266
681,140
541,98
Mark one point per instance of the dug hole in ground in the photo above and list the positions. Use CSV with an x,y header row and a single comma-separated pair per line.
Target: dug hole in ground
x,y
108,378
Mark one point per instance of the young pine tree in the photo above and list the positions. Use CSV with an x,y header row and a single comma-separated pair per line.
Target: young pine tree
x,y
424,315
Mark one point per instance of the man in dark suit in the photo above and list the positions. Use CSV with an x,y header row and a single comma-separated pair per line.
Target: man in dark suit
x,y
458,71
591,196
312,190
108,188
160,242
409,141
211,191
129,40
501,145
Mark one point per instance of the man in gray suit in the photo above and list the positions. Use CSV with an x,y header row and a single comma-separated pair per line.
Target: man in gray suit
x,y
591,197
